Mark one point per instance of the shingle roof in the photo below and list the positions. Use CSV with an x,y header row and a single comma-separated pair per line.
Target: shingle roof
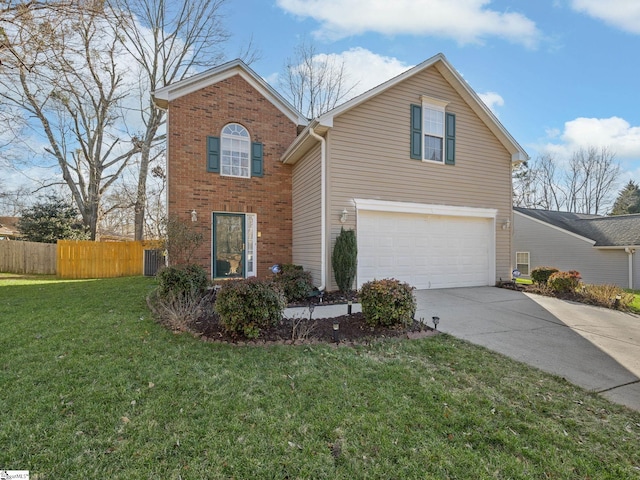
x,y
9,226
614,231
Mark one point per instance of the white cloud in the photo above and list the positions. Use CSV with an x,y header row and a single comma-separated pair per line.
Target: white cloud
x,y
622,14
466,21
492,100
364,69
614,133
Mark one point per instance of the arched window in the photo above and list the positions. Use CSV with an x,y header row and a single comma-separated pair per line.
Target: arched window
x,y
235,151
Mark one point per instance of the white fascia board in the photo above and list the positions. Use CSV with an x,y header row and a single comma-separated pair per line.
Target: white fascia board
x,y
518,153
567,232
617,247
327,118
490,119
223,72
423,208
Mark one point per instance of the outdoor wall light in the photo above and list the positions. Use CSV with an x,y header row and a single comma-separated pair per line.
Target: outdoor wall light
x,y
194,216
506,224
336,330
436,321
343,216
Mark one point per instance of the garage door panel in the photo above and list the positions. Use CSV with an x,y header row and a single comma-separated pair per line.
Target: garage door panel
x,y
426,251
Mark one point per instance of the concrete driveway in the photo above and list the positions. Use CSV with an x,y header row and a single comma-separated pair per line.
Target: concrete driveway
x,y
595,348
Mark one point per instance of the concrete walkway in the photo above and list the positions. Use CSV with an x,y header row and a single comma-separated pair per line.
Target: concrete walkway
x,y
595,348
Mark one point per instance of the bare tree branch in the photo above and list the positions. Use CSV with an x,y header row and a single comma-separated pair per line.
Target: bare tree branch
x,y
314,83
169,41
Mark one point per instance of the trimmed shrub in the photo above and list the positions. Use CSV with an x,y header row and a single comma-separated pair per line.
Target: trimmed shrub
x,y
344,259
180,280
246,307
542,274
294,281
564,282
387,302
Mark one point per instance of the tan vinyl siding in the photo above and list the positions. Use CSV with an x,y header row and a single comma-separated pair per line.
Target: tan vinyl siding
x,y
369,158
549,246
306,213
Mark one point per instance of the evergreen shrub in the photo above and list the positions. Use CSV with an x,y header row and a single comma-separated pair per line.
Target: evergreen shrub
x,y
542,274
245,307
387,302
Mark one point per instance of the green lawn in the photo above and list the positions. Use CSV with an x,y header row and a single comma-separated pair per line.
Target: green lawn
x,y
92,388
635,306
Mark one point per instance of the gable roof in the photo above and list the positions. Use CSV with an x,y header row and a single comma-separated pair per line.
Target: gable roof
x,y
440,62
9,227
164,95
613,231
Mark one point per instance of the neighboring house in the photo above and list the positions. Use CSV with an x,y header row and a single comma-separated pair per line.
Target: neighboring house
x,y
9,228
418,166
603,249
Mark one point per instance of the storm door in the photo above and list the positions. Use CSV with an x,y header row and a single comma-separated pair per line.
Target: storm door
x,y
234,245
228,245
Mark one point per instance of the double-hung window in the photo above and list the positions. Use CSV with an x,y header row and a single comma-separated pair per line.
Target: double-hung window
x,y
433,132
235,151
522,263
433,122
232,154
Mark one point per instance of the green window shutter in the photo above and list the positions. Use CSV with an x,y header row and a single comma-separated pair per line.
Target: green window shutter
x,y
416,132
450,136
213,154
256,159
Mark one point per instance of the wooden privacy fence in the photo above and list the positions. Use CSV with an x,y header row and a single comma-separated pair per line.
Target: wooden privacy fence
x,y
86,259
27,257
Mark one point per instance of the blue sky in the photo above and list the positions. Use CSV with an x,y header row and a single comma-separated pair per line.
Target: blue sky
x,y
559,74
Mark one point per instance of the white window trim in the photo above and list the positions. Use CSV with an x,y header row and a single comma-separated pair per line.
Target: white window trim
x,y
251,217
248,140
439,105
528,274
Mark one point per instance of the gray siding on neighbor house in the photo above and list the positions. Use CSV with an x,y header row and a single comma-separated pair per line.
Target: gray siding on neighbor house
x,y
636,270
550,246
306,206
369,158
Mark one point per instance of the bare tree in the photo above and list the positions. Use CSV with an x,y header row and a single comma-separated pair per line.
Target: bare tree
x,y
535,184
314,83
14,12
70,81
13,201
169,41
591,179
584,186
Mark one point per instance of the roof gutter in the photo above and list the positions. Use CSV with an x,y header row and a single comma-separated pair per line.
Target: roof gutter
x,y
323,207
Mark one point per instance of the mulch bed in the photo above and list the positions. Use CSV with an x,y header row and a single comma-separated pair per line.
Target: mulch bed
x,y
353,330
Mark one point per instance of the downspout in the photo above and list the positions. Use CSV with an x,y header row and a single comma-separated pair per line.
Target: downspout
x,y
323,208
630,252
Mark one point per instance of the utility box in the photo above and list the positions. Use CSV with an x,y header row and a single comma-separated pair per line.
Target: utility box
x,y
153,260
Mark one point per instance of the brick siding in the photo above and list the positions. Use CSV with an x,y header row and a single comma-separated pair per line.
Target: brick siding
x,y
194,117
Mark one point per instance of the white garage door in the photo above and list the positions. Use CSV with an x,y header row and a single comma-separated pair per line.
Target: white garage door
x,y
426,251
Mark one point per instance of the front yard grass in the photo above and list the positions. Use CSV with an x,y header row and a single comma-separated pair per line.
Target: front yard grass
x,y
91,388
635,305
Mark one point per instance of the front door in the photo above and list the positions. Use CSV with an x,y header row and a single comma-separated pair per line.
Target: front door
x,y
228,245
234,245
